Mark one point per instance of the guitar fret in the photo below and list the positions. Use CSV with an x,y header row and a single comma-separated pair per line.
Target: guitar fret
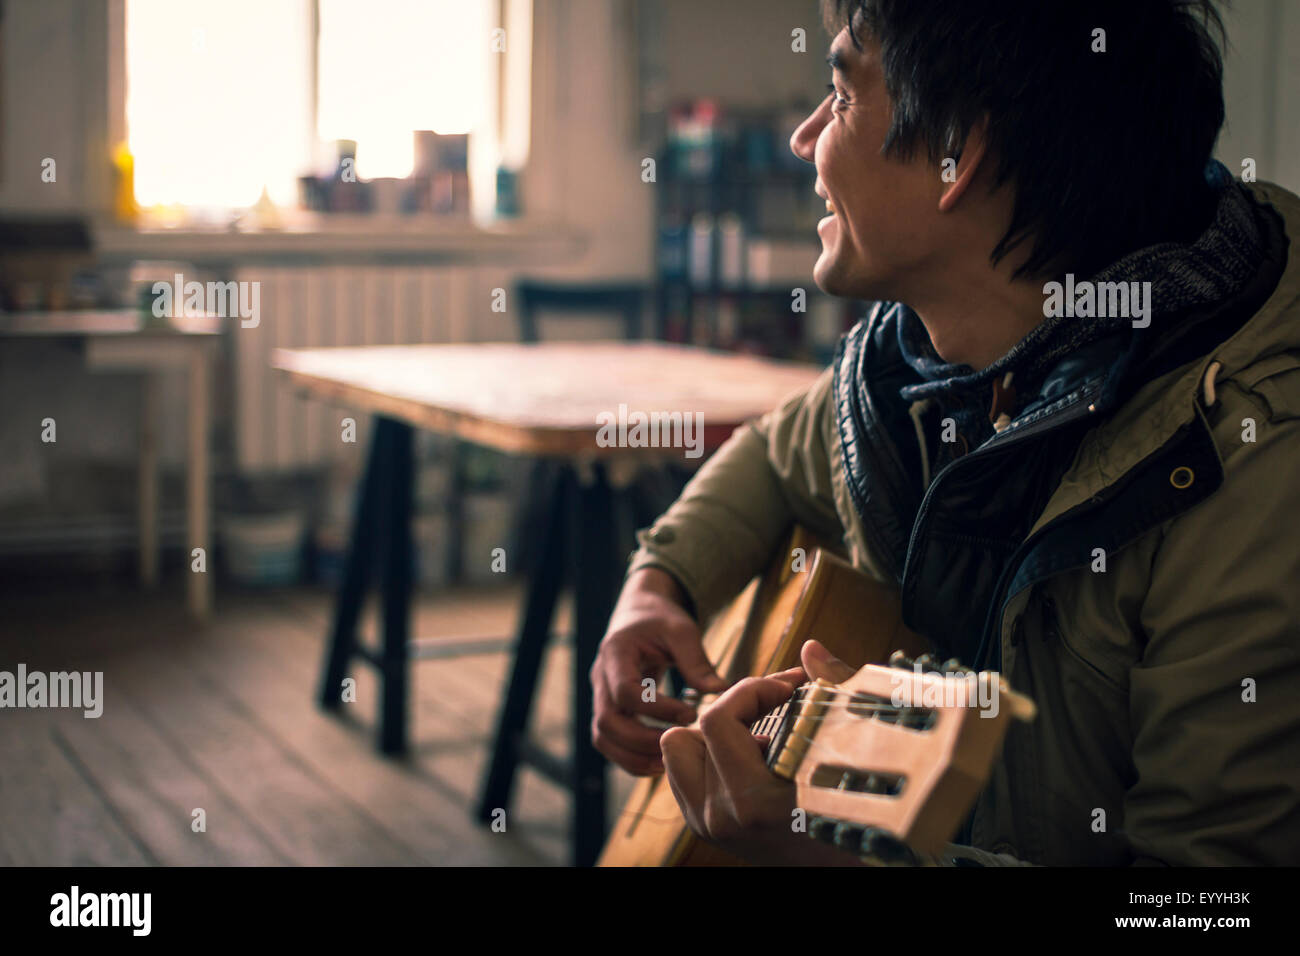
x,y
772,725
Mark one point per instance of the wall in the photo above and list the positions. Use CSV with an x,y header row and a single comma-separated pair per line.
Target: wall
x,y
1261,90
585,157
55,88
740,53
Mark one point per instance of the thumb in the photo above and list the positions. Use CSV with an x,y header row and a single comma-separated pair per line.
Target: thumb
x,y
688,655
819,662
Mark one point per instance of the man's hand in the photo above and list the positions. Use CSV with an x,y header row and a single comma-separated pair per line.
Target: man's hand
x,y
648,631
722,784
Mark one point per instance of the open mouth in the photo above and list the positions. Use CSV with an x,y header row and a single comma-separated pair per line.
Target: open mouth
x,y
832,214
831,217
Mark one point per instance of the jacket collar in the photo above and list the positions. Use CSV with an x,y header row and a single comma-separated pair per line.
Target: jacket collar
x,y
1146,421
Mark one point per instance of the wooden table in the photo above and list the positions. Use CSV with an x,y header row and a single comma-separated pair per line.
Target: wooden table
x,y
121,339
547,401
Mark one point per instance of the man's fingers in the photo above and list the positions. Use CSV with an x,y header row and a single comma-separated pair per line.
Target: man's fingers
x,y
616,734
627,732
794,677
819,662
684,757
718,817
638,764
726,724
631,699
624,666
688,655
625,674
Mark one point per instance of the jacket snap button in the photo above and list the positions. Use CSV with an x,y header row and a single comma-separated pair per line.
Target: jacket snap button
x,y
662,535
1182,477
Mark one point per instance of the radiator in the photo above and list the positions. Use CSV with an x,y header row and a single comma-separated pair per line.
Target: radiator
x,y
274,428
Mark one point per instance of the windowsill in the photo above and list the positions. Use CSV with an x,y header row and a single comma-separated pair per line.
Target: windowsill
x,y
352,239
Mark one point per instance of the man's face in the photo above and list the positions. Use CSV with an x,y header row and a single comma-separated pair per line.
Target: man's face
x,y
881,230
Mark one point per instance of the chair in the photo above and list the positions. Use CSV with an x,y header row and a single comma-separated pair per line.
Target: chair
x,y
627,301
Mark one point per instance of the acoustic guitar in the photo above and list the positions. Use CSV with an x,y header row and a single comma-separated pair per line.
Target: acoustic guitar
x,y
893,750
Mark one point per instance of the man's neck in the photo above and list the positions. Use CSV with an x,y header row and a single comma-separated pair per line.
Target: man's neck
x,y
978,314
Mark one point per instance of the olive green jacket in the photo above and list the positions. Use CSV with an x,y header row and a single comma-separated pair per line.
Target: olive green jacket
x,y
1168,684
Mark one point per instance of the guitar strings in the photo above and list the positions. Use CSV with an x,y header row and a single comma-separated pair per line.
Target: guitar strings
x,y
640,815
791,719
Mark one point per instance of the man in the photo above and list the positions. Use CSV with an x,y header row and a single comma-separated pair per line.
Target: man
x,y
1098,498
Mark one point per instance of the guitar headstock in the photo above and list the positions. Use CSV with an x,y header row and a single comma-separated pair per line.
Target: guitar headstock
x,y
903,749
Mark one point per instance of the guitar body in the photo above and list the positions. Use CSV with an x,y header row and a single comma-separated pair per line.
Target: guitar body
x,y
761,632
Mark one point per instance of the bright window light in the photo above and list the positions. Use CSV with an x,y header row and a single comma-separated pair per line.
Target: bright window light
x,y
219,92
218,100
390,67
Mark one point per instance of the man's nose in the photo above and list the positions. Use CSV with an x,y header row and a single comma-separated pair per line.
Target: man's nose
x,y
803,142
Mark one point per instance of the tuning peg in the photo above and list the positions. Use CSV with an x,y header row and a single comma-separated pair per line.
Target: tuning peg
x,y
884,846
822,828
930,662
899,659
953,666
848,836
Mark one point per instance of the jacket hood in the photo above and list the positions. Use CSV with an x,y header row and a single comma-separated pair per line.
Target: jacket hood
x,y
1192,296
1149,409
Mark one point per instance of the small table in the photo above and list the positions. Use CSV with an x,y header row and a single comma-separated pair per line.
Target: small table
x,y
544,400
121,339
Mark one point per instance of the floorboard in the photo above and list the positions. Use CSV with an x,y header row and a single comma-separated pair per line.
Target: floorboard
x,y
223,718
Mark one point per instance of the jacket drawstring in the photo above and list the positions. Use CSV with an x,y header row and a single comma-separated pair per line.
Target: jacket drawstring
x,y
1004,402
1207,384
916,410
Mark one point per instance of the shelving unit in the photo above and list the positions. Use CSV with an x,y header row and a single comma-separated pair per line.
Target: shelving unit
x,y
724,188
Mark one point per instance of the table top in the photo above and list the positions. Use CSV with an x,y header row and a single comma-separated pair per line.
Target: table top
x,y
570,399
87,322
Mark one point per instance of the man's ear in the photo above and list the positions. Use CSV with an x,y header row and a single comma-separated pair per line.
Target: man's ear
x,y
968,163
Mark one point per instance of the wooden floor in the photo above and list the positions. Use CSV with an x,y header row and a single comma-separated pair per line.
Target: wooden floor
x,y
222,718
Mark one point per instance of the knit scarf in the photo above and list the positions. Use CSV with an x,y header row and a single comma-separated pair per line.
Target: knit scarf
x,y
1216,266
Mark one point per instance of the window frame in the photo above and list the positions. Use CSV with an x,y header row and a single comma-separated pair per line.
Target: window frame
x,y
509,120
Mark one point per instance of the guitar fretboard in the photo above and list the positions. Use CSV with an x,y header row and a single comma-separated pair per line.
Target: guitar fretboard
x,y
774,724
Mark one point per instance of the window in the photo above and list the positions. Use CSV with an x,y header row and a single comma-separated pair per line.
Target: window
x,y
220,93
388,67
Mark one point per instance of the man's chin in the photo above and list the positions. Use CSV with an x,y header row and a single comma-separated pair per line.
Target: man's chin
x,y
830,275
844,279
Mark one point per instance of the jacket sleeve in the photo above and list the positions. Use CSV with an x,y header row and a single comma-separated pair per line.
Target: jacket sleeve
x,y
732,514
1213,707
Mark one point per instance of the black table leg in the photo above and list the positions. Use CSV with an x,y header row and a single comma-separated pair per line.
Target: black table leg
x,y
381,529
597,572
544,587
357,572
395,534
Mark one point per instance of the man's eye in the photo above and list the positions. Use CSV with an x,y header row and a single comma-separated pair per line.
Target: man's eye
x,y
839,101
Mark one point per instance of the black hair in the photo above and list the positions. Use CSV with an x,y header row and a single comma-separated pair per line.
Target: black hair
x,y
1106,151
